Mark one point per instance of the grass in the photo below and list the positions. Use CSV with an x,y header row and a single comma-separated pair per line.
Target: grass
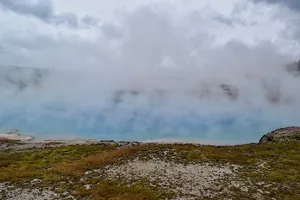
x,y
7,159
77,168
36,164
114,190
277,164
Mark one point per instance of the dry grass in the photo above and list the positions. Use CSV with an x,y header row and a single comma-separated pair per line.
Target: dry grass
x,y
4,139
7,159
22,166
78,167
115,191
125,196
52,143
129,197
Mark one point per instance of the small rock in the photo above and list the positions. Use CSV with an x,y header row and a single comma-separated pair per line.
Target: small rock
x,y
260,191
267,186
88,187
34,181
235,184
244,189
260,183
65,193
70,197
82,179
88,172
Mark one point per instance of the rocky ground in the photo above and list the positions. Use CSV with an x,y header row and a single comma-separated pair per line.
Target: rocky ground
x,y
11,192
89,169
283,134
188,180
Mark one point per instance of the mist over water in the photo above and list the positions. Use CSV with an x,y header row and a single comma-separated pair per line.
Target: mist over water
x,y
186,69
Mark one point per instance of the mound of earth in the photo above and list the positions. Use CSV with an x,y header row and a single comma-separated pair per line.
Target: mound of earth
x,y
282,134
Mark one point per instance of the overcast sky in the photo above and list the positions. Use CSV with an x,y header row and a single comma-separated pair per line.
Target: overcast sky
x,y
103,46
70,34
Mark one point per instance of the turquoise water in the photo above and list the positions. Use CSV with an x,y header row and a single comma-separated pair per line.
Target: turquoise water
x,y
138,124
71,105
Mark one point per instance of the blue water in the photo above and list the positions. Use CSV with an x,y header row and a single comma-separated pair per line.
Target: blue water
x,y
134,124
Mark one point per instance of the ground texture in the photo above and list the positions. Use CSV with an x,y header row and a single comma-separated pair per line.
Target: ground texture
x,y
134,171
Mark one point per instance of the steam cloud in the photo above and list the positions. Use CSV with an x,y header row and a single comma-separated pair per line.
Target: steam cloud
x,y
217,71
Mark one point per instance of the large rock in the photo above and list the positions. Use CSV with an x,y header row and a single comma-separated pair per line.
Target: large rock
x,y
282,134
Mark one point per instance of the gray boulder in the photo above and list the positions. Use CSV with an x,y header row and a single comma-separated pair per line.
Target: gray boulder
x,y
283,134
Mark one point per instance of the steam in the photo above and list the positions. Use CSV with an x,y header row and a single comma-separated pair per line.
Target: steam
x,y
159,70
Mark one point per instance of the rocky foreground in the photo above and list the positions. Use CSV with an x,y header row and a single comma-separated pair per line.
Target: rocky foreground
x,y
89,169
282,135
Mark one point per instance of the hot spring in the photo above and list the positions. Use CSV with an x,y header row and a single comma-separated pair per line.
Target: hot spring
x,y
197,70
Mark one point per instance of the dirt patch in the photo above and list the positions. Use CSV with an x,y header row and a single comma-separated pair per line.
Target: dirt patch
x,y
9,192
189,180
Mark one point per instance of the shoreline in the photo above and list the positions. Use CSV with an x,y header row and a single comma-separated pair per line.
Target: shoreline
x,y
47,143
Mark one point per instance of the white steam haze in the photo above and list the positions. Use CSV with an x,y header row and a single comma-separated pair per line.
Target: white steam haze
x,y
137,70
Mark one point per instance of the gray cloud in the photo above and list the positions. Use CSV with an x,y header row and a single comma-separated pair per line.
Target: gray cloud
x,y
1,49
44,11
90,20
230,21
111,31
64,18
40,9
293,4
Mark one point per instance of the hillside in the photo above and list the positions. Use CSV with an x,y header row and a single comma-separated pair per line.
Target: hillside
x,y
133,171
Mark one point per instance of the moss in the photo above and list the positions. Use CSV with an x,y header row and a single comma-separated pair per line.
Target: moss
x,y
275,176
7,159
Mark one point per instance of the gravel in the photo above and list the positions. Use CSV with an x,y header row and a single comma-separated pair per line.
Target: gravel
x,y
9,192
187,179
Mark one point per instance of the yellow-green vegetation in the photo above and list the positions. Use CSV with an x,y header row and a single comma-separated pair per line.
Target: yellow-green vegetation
x,y
62,168
105,189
